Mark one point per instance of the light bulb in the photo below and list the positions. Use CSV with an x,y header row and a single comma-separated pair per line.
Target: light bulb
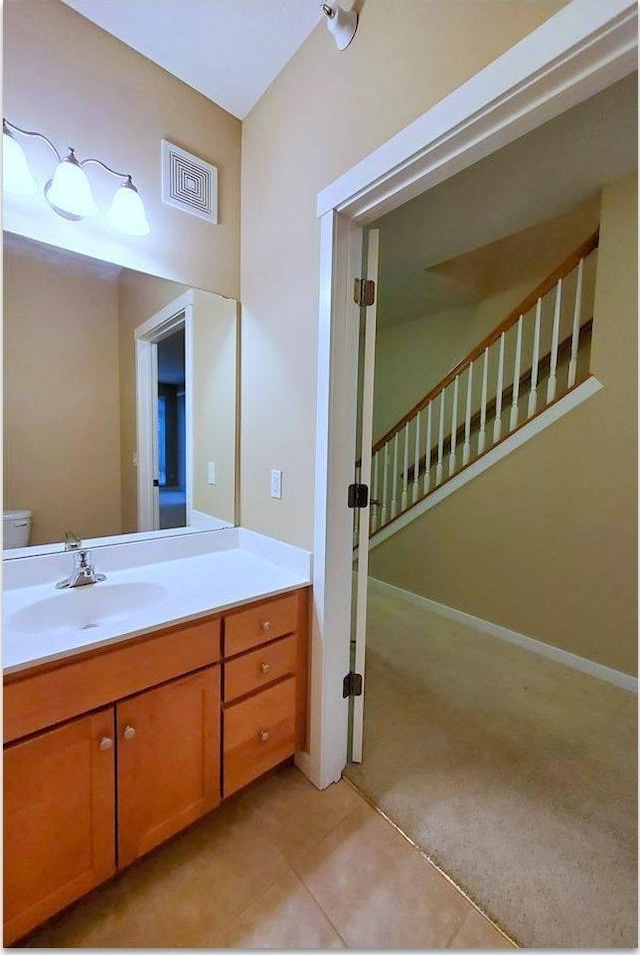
x,y
69,192
16,175
127,211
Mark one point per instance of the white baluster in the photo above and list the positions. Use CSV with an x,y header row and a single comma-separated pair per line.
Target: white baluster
x,y
497,421
555,335
375,511
513,420
394,479
405,470
482,437
575,334
533,394
440,439
454,427
427,454
466,447
416,462
385,485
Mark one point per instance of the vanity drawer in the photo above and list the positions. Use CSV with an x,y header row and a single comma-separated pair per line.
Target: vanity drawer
x,y
259,733
260,667
250,628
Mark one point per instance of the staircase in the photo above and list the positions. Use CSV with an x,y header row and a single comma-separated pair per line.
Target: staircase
x,y
532,360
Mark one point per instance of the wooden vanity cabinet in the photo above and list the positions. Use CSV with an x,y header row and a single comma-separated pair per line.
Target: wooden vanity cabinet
x,y
87,793
110,753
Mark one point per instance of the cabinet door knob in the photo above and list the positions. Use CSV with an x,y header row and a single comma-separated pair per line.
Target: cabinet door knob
x,y
106,743
264,735
266,626
129,732
265,668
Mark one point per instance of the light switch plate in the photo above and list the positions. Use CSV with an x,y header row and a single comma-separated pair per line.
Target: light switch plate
x,y
276,484
211,472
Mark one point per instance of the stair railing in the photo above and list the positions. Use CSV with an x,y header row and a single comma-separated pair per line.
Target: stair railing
x,y
512,375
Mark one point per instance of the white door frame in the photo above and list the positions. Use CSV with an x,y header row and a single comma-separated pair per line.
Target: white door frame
x,y
172,316
587,46
363,451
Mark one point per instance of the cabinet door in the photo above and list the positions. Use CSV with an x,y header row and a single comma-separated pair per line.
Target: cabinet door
x,y
59,820
168,760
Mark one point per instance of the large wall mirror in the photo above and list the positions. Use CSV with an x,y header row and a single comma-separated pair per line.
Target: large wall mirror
x,y
120,399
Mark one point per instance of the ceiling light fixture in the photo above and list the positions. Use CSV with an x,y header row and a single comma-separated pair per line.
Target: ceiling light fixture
x,y
342,23
68,192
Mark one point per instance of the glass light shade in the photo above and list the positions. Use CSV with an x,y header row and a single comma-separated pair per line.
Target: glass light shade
x,y
127,211
343,24
70,191
16,175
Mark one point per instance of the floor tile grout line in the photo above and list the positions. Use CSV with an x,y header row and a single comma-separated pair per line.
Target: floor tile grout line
x,y
301,877
290,870
308,889
435,865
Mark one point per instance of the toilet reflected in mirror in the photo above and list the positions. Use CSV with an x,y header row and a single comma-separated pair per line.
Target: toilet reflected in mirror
x,y
16,529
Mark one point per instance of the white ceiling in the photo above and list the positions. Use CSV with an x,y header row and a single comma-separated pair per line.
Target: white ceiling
x,y
229,50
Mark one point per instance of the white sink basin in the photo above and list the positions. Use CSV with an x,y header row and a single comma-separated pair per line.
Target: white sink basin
x,y
82,608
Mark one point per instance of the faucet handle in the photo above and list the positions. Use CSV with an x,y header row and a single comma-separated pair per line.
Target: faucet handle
x,y
71,541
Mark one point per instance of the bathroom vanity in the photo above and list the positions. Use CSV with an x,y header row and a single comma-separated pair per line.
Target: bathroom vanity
x,y
114,746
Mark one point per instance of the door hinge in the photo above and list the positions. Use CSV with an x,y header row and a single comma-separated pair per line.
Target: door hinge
x,y
357,495
364,292
352,685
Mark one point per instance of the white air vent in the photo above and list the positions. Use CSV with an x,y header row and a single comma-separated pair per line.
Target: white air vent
x,y
189,183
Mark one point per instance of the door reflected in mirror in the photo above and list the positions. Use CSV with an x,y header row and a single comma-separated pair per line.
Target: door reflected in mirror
x,y
120,399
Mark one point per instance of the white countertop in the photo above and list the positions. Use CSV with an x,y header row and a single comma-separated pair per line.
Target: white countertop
x,y
188,587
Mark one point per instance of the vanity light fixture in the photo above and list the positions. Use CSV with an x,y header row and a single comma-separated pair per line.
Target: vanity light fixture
x,y
342,23
68,192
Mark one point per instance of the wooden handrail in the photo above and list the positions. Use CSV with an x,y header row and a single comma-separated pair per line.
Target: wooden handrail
x,y
544,364
545,286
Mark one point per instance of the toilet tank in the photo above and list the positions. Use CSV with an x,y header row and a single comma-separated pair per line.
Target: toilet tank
x,y
16,529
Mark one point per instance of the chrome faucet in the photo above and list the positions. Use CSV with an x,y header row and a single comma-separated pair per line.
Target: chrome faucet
x,y
71,541
83,570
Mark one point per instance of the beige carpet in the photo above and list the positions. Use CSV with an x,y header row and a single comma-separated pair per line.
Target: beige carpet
x,y
516,774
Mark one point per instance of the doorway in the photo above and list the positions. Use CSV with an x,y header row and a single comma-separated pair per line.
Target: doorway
x,y
164,414
566,60
452,763
172,449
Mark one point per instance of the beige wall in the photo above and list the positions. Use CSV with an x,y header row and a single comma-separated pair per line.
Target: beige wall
x,y
215,356
324,112
78,85
61,440
545,543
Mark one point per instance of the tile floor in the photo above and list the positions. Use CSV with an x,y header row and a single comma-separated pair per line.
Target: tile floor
x,y
279,865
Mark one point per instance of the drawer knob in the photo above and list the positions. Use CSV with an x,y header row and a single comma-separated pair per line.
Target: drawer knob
x,y
264,735
266,626
265,668
129,732
106,743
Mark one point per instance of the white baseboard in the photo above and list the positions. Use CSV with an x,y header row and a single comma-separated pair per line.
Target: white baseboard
x,y
623,680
